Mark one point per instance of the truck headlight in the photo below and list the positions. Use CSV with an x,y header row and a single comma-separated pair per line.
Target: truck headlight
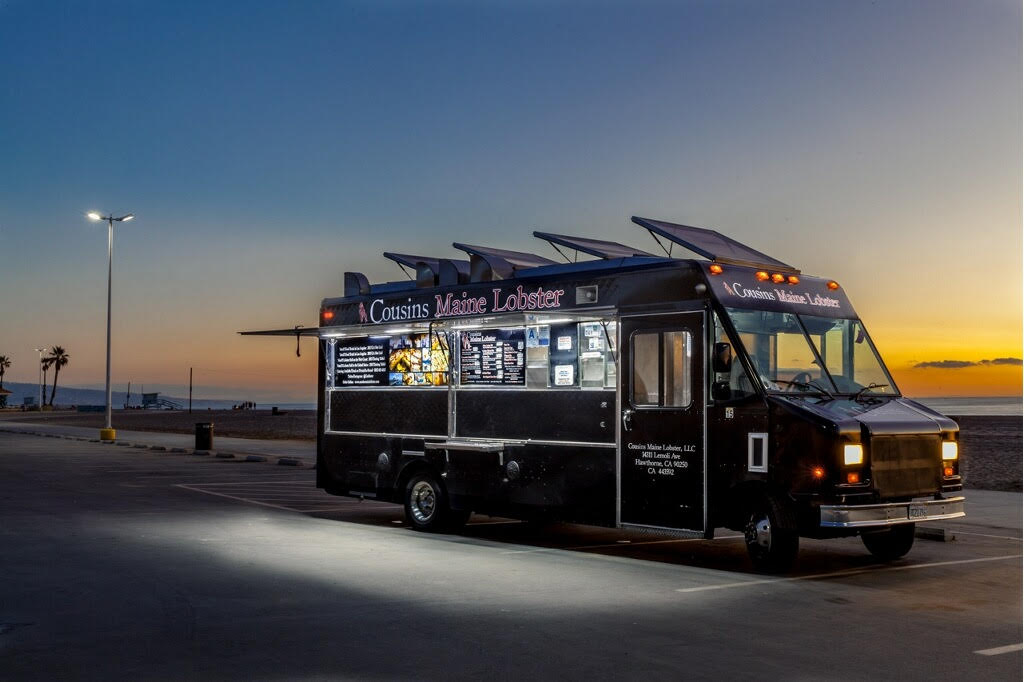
x,y
854,454
950,450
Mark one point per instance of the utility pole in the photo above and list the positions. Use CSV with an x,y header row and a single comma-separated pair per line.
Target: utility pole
x,y
190,390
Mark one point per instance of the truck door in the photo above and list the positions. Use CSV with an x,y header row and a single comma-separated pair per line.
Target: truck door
x,y
662,458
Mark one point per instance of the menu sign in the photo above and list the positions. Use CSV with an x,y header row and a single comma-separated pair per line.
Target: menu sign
x,y
401,360
496,356
361,362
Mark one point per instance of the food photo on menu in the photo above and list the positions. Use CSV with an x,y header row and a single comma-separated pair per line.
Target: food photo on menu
x,y
418,360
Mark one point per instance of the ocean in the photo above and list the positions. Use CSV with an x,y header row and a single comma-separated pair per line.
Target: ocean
x,y
988,407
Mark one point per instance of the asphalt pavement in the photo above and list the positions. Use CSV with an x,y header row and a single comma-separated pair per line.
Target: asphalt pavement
x,y
124,562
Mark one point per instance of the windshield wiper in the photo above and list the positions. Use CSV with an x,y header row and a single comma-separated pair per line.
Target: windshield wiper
x,y
808,386
861,392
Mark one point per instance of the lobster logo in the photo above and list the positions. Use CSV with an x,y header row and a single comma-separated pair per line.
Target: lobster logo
x,y
362,314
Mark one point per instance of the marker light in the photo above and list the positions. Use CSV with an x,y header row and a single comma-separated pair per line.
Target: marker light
x,y
761,276
950,451
777,278
328,314
948,471
715,269
833,285
793,279
853,477
818,472
853,454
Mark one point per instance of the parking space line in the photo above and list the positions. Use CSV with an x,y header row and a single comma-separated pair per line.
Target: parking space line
x,y
842,574
233,497
1009,648
986,535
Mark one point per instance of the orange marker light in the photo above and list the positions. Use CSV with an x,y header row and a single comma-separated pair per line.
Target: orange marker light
x,y
833,285
761,276
948,471
793,279
328,315
853,477
818,472
715,269
777,278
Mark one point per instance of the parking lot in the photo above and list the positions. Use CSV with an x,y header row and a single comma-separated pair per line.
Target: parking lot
x,y
135,563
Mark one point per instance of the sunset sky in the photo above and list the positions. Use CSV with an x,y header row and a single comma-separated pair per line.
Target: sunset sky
x,y
267,147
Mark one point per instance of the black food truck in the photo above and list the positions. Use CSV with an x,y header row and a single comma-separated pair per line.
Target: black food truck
x,y
628,390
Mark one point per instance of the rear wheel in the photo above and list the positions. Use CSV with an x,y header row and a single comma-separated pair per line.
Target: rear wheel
x,y
770,534
891,543
426,505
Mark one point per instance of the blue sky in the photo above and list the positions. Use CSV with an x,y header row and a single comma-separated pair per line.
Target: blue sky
x,y
266,147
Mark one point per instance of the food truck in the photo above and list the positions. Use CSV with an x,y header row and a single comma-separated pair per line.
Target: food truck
x,y
627,389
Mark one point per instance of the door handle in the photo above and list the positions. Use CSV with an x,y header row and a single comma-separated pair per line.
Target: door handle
x,y
627,420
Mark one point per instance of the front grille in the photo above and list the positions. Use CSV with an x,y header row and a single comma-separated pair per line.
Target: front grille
x,y
906,466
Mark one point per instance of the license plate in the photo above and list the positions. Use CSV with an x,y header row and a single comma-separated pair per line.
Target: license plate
x,y
917,511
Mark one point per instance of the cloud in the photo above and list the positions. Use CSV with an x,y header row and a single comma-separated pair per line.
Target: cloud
x,y
960,364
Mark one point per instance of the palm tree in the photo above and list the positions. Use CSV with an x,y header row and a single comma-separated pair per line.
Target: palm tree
x,y
58,358
45,362
5,362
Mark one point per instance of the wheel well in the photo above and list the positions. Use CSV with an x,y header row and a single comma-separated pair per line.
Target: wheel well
x,y
739,499
410,470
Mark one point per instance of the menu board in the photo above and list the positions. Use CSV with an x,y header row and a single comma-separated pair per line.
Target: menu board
x,y
494,356
402,360
361,362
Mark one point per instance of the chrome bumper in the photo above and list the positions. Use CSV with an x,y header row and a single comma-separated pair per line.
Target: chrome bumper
x,y
890,514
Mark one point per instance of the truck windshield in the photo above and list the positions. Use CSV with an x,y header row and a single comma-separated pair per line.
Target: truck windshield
x,y
784,349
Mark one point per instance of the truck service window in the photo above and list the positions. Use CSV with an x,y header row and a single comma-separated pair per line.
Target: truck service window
x,y
571,355
661,369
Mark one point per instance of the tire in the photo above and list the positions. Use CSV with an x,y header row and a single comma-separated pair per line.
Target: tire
x,y
771,535
890,544
426,505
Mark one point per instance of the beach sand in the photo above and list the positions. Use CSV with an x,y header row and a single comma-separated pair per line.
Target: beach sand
x,y
990,447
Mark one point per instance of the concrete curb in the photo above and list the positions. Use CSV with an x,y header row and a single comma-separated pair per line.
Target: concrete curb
x,y
242,456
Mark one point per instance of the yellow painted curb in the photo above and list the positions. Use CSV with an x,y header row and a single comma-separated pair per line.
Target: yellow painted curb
x,y
108,434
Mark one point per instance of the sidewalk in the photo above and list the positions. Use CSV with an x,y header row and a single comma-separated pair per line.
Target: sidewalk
x,y
302,451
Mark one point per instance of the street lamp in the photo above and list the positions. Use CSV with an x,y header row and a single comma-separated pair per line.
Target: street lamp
x,y
108,433
40,351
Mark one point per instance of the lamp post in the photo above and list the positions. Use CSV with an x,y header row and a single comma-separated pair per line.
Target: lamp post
x,y
40,351
108,433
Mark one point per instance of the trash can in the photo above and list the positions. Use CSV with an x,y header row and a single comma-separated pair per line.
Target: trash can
x,y
204,436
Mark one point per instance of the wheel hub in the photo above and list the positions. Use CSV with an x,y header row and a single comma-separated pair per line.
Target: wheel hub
x,y
759,532
424,501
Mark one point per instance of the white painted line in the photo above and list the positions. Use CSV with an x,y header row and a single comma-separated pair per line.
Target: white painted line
x,y
493,523
985,535
617,544
841,574
232,497
1009,648
290,475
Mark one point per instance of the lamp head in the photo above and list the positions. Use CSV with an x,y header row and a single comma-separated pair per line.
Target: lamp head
x,y
93,215
126,218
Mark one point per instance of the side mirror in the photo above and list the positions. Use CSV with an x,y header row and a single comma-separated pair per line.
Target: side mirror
x,y
721,358
720,391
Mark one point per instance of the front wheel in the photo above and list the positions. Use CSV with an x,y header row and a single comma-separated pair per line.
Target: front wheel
x,y
426,505
771,536
891,543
